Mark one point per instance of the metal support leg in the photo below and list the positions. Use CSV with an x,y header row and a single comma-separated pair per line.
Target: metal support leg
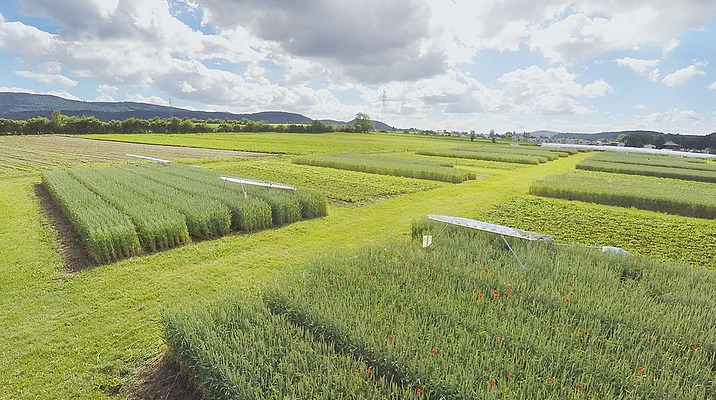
x,y
513,252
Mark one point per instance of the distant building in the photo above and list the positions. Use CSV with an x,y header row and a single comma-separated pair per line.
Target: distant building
x,y
670,145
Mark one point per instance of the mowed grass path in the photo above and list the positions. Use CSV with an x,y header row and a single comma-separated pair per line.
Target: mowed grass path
x,y
82,335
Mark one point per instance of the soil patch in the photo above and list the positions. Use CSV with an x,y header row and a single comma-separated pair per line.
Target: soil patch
x,y
164,380
70,244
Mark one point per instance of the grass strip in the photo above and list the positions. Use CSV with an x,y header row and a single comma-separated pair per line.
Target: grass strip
x,y
487,156
648,170
664,195
409,168
237,349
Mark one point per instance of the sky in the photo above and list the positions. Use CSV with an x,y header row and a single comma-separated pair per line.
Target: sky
x,y
507,65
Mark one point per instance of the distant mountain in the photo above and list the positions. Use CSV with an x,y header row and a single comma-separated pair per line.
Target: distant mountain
x,y
26,105
590,136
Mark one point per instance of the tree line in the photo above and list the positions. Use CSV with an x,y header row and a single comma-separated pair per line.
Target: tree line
x,y
64,124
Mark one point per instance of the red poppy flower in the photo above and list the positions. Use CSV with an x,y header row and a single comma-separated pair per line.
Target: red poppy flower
x,y
509,289
390,336
510,375
419,391
425,279
492,382
479,295
579,385
497,338
640,369
551,378
569,326
369,274
484,268
566,300
433,350
456,264
571,282
494,293
694,350
348,274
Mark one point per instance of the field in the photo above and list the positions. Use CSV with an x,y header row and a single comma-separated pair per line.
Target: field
x,y
120,211
693,199
27,154
655,160
94,334
683,171
383,165
345,186
644,233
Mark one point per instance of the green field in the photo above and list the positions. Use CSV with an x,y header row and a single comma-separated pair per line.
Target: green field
x,y
691,174
89,335
673,196
290,143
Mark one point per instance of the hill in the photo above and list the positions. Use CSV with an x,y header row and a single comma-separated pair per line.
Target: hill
x,y
21,106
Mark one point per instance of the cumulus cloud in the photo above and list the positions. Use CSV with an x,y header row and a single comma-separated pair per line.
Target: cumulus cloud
x,y
598,27
674,115
685,75
669,47
712,86
641,67
372,41
550,91
56,80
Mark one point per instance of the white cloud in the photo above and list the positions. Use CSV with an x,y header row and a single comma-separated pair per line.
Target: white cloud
x,y
597,27
712,86
56,80
669,47
671,116
63,94
640,107
550,91
684,75
140,98
640,67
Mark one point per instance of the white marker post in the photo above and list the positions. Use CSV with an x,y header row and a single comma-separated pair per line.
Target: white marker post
x,y
159,160
258,183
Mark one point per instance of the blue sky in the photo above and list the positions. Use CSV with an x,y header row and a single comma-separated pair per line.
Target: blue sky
x,y
508,65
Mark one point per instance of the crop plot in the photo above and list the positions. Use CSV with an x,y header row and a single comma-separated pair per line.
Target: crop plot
x,y
343,185
460,321
409,168
654,160
512,154
666,237
26,154
658,167
122,211
693,199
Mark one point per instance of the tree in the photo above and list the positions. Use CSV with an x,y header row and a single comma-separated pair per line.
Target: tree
x,y
363,123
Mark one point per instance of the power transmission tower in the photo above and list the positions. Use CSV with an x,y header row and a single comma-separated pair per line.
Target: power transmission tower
x,y
384,99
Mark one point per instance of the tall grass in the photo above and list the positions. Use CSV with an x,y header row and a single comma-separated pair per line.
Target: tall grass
x,y
107,233
237,349
286,206
648,170
654,160
409,168
158,226
205,218
462,321
550,155
487,156
693,199
247,214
